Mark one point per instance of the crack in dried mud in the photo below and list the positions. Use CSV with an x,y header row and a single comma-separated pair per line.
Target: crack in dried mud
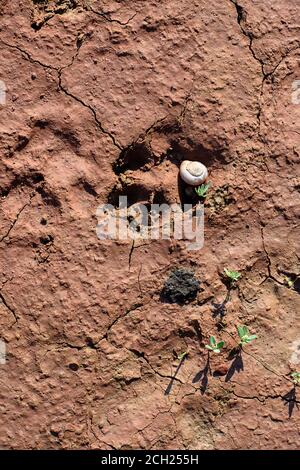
x,y
108,18
10,309
263,398
141,355
6,235
269,265
241,17
62,88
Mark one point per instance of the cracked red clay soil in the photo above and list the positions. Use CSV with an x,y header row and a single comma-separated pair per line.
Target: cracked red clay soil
x,y
105,98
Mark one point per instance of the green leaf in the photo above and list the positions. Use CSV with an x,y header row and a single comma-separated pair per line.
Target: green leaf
x,y
232,275
290,283
209,347
296,377
295,374
202,190
220,344
240,331
216,350
246,331
251,338
182,356
212,341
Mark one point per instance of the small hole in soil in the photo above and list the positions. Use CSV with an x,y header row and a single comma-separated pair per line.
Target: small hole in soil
x,y
46,239
73,366
197,152
159,197
37,178
43,221
133,158
41,123
90,343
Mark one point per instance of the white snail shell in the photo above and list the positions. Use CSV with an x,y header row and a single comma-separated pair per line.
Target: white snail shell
x,y
193,173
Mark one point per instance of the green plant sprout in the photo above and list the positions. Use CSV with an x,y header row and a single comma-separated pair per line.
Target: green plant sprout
x,y
202,190
181,356
233,276
290,282
296,377
244,335
214,346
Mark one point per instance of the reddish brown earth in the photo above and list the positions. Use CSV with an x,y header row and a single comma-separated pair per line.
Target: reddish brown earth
x,y
104,98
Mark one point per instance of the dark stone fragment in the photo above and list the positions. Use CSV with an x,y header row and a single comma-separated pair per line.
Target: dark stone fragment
x,y
181,287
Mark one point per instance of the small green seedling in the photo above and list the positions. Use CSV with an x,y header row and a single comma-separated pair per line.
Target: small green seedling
x,y
202,190
233,276
289,282
214,346
181,356
244,335
296,377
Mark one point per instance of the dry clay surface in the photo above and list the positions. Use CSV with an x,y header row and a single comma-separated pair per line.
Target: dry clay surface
x,y
105,98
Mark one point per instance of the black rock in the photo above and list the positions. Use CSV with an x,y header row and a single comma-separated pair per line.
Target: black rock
x,y
181,287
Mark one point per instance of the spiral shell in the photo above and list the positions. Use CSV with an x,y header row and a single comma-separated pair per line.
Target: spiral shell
x,y
193,173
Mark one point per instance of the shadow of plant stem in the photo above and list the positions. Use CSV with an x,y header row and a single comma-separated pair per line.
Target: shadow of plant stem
x,y
237,364
220,309
290,400
202,375
169,387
